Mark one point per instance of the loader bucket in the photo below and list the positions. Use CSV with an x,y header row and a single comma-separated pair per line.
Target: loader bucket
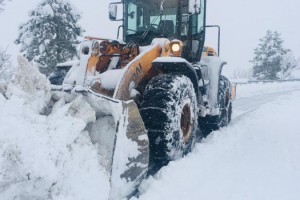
x,y
129,146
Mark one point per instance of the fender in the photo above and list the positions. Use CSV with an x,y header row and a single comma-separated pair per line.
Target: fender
x,y
177,65
215,66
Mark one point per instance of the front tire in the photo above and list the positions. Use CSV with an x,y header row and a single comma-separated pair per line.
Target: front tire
x,y
169,111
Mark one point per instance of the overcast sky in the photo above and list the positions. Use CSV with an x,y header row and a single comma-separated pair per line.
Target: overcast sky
x,y
243,22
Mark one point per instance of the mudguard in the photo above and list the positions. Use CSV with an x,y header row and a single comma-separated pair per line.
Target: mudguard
x,y
177,65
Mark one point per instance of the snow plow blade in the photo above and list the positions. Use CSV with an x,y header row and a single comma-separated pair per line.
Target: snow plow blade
x,y
130,146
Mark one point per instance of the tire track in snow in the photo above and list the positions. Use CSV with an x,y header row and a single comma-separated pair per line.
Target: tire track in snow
x,y
243,106
256,157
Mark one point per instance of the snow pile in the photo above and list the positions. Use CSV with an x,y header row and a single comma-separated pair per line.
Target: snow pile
x,y
46,157
29,84
248,90
109,79
68,63
257,157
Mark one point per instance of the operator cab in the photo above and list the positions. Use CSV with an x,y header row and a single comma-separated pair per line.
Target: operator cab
x,y
183,20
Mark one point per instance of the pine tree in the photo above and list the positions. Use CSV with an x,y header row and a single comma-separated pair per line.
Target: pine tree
x,y
268,57
50,35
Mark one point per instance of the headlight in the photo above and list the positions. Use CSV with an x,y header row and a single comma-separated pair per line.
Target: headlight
x,y
175,47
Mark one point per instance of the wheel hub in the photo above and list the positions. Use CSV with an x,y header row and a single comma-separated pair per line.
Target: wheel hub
x,y
186,122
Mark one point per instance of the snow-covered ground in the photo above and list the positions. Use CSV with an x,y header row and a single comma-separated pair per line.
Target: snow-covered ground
x,y
52,157
256,89
256,157
45,157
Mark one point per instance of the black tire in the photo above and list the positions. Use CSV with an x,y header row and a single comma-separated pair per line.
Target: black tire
x,y
225,101
169,111
212,123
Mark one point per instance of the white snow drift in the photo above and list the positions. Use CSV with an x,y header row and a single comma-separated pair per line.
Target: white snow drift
x,y
52,156
256,157
45,157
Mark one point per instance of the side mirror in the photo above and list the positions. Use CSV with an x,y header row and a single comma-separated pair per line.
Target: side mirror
x,y
113,11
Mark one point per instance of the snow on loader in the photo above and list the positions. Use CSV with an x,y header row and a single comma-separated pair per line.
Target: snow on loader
x,y
152,91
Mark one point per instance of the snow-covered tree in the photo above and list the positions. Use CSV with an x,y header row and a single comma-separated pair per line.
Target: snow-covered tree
x,y
51,34
288,64
240,73
268,57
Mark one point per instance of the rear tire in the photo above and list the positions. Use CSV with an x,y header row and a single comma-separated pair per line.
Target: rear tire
x,y
211,123
169,111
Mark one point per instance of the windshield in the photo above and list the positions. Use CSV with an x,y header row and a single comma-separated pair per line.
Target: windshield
x,y
155,18
148,19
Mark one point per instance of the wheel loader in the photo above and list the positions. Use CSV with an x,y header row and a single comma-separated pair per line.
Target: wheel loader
x,y
153,90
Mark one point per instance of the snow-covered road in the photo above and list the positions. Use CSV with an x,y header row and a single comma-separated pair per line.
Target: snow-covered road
x,y
256,157
254,96
52,157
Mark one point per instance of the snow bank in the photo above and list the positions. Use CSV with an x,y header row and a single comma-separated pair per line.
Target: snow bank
x,y
46,157
108,79
257,157
68,63
247,90
29,84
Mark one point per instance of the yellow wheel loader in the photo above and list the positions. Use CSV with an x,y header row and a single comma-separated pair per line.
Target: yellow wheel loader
x,y
152,90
